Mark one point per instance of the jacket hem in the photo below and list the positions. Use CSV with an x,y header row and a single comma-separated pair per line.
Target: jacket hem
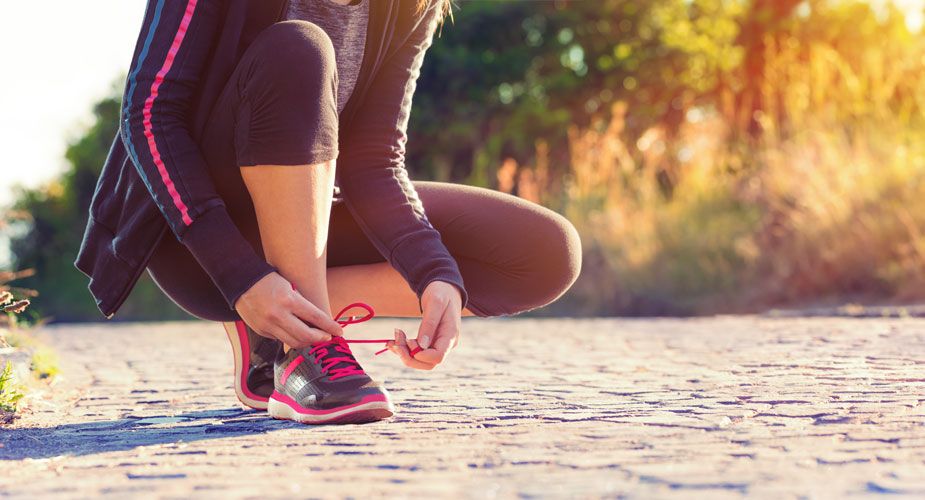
x,y
99,262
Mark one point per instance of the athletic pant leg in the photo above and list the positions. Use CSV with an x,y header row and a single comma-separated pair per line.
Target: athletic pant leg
x,y
279,107
514,255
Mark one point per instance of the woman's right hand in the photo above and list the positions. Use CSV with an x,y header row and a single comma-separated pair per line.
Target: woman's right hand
x,y
273,309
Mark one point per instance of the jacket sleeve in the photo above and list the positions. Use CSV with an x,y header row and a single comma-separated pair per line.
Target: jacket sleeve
x,y
373,178
176,39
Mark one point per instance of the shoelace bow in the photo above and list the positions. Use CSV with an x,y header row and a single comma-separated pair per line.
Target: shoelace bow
x,y
340,345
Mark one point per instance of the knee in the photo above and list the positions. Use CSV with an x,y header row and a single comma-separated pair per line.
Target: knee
x,y
544,263
555,259
297,54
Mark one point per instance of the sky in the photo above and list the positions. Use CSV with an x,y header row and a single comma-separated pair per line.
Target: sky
x,y
61,56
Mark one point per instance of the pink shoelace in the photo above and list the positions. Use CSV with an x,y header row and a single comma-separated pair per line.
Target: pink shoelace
x,y
341,345
352,320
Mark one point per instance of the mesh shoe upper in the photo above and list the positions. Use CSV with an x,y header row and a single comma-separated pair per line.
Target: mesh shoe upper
x,y
323,376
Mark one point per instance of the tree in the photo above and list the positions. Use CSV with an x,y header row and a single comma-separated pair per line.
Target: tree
x,y
506,74
58,215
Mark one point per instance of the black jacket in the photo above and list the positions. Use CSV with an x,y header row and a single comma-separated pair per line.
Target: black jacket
x,y
155,177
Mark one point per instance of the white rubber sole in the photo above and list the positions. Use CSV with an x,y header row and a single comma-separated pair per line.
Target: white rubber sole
x,y
367,411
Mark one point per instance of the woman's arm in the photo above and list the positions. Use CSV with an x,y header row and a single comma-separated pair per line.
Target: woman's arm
x,y
381,198
372,172
176,40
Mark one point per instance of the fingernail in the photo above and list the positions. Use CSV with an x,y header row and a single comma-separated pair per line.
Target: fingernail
x,y
424,342
396,334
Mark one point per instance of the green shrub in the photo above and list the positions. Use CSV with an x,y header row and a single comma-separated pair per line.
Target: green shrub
x,y
10,391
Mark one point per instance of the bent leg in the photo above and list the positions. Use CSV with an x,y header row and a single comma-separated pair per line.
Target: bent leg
x,y
514,255
274,124
287,151
293,205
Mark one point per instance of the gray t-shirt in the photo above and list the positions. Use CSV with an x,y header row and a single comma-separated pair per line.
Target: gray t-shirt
x,y
346,27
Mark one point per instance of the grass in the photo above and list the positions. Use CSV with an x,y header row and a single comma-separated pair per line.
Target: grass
x,y
32,367
10,393
16,379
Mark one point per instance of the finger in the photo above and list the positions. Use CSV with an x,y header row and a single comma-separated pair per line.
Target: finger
x,y
269,329
429,322
445,339
309,312
446,334
400,347
411,345
431,356
437,353
414,347
302,334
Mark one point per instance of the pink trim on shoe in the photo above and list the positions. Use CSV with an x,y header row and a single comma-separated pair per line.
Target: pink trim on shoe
x,y
295,362
245,358
240,347
296,407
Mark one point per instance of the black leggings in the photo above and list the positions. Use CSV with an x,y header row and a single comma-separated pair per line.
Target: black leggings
x,y
513,255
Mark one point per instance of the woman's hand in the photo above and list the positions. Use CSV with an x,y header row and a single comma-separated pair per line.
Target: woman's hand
x,y
273,309
439,331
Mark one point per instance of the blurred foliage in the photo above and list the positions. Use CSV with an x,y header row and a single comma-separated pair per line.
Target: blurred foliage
x,y
792,176
44,363
716,155
48,240
13,387
508,73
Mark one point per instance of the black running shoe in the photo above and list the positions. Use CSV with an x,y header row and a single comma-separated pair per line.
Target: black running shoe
x,y
253,364
324,384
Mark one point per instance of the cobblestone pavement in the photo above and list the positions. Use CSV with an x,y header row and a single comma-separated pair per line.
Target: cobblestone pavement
x,y
712,408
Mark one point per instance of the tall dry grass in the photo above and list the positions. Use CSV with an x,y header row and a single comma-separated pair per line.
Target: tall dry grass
x,y
825,205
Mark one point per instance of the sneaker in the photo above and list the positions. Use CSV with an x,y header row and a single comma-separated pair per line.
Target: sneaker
x,y
324,384
253,364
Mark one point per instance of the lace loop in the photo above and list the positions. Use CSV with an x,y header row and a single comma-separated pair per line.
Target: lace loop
x,y
321,350
352,320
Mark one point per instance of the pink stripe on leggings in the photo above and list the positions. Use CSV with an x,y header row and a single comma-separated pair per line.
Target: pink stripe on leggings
x,y
149,102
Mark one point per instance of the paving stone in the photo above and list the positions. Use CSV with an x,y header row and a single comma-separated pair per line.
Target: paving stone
x,y
724,407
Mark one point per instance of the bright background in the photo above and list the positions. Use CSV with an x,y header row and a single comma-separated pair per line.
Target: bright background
x,y
68,54
716,156
59,58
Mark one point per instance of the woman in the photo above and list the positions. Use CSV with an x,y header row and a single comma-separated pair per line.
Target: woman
x,y
268,136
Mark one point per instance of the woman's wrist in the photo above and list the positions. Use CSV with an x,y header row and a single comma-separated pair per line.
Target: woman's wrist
x,y
445,289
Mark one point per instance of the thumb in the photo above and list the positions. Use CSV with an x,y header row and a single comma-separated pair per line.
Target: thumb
x,y
428,328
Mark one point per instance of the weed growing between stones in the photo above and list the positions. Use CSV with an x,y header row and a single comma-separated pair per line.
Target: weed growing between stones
x,y
10,394
25,362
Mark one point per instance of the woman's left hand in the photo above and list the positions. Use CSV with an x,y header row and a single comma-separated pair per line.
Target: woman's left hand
x,y
439,331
